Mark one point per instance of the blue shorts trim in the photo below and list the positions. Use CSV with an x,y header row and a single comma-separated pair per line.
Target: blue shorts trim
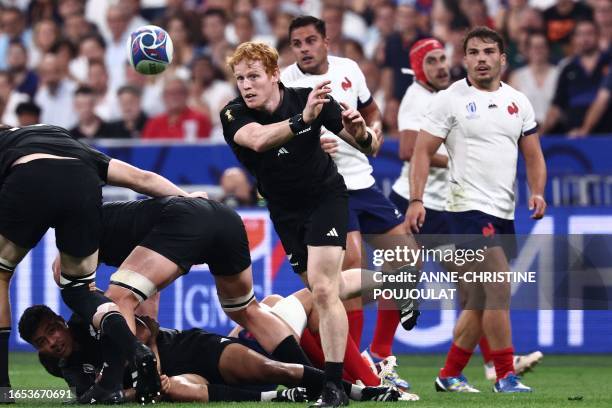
x,y
371,212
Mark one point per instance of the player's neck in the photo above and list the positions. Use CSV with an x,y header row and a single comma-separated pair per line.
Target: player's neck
x,y
276,98
491,86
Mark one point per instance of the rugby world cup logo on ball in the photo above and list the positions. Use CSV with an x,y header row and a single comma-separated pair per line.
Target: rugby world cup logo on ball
x,y
150,50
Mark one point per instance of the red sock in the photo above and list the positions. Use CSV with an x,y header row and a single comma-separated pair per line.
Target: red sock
x,y
356,367
355,322
456,360
312,348
485,349
504,361
386,324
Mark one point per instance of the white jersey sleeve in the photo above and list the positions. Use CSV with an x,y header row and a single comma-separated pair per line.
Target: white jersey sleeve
x,y
530,125
364,97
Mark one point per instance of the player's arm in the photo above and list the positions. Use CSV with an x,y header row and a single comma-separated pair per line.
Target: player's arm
x,y
425,147
145,182
185,388
261,138
536,173
406,149
373,119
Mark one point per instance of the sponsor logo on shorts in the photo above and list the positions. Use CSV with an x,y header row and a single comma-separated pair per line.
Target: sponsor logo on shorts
x,y
332,233
282,150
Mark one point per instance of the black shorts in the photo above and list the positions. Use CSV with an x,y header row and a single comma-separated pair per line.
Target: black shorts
x,y
322,223
194,351
193,231
64,194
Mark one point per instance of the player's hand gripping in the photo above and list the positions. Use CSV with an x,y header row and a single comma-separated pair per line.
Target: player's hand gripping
x,y
354,123
316,98
415,216
538,205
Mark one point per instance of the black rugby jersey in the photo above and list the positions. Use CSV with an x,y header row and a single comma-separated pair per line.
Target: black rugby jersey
x,y
299,170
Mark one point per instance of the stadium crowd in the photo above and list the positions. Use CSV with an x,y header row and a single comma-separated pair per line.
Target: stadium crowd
x,y
64,62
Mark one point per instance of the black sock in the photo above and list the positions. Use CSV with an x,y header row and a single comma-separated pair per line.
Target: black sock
x,y
5,333
217,392
313,380
289,351
114,326
112,374
333,373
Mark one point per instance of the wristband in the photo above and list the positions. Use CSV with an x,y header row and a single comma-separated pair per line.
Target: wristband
x,y
297,124
366,143
414,200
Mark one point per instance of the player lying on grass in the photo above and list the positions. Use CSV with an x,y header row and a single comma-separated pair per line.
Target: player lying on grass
x,y
298,312
155,241
196,365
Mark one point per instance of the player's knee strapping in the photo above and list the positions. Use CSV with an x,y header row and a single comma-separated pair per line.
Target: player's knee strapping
x,y
238,303
79,297
7,266
141,286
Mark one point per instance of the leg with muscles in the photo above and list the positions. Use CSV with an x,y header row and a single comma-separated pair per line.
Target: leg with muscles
x,y
194,388
354,307
323,268
96,308
10,256
238,301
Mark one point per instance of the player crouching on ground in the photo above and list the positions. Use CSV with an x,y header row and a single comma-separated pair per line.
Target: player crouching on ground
x,y
197,365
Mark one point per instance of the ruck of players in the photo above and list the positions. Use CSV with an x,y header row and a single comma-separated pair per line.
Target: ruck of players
x,y
305,138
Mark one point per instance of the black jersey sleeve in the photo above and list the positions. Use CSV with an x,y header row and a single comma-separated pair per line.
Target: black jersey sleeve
x,y
233,117
331,116
98,159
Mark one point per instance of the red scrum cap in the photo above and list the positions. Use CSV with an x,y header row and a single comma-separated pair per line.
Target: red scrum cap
x,y
417,55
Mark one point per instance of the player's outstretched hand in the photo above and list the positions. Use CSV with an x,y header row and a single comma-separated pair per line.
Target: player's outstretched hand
x,y
165,383
329,145
316,98
353,122
198,194
415,216
538,205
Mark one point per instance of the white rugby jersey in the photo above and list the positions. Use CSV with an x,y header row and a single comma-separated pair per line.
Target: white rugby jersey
x,y
410,117
348,85
481,131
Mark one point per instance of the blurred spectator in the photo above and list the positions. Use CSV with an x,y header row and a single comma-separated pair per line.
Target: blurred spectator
x,y
213,32
508,20
65,52
68,8
28,113
476,13
243,27
179,121
210,92
132,9
285,54
13,26
182,41
529,20
397,48
602,12
25,80
40,10
151,87
91,48
352,49
55,94
280,29
443,14
384,18
578,83
106,99
538,79
560,20
76,27
454,47
352,25
46,33
89,125
133,119
118,19
264,15
9,99
333,17
371,71
599,111
237,189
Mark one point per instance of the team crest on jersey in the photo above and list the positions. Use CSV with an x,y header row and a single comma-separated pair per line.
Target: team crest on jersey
x,y
471,108
513,109
228,115
346,84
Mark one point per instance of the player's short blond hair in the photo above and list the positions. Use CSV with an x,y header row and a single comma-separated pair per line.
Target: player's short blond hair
x,y
255,51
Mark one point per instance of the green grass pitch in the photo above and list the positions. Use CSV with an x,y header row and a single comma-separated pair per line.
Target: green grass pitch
x,y
556,380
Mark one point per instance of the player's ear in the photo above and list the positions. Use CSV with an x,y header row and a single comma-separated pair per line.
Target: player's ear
x,y
503,60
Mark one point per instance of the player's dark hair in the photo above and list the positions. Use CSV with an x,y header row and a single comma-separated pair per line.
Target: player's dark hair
x,y
304,21
28,107
31,319
485,34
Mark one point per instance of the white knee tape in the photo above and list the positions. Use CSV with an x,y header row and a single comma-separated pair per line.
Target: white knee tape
x,y
139,285
69,281
239,303
7,266
291,311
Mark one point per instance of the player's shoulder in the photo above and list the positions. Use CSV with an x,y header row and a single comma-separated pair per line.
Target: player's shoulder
x,y
291,73
418,91
341,62
514,93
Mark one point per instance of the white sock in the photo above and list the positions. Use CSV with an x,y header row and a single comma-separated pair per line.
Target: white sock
x,y
268,395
